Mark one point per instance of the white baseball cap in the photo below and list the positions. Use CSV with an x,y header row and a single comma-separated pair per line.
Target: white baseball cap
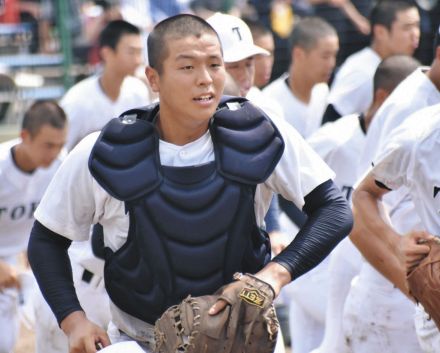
x,y
235,37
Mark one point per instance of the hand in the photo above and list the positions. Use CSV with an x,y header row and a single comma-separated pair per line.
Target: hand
x,y
275,275
413,249
278,242
83,335
8,276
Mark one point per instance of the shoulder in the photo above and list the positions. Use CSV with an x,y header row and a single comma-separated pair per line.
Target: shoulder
x,y
277,85
80,90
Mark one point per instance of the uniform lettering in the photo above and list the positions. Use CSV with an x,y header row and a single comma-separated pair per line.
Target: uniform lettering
x,y
19,212
436,190
347,190
237,30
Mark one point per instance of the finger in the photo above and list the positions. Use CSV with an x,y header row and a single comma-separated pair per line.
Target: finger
x,y
90,346
218,306
104,341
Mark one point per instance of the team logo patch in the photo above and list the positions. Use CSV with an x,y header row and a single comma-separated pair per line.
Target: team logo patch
x,y
252,296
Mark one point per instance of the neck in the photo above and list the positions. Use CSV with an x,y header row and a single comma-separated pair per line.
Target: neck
x,y
22,160
300,85
179,132
111,84
380,50
369,114
434,74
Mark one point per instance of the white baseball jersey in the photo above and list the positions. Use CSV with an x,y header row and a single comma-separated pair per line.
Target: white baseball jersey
x,y
298,172
88,108
352,89
411,159
306,118
20,194
340,144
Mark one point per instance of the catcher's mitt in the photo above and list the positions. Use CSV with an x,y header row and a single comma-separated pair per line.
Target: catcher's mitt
x,y
247,325
424,281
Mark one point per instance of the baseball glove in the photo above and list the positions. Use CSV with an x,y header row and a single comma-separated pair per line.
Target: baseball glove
x,y
248,324
424,282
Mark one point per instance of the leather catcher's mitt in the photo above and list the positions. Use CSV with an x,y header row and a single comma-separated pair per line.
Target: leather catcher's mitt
x,y
424,281
247,325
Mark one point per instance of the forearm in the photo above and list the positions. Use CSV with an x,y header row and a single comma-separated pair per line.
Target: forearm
x,y
376,239
359,21
47,253
329,221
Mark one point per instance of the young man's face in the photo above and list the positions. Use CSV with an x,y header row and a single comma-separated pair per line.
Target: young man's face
x,y
264,63
320,60
404,35
45,145
192,79
127,56
242,72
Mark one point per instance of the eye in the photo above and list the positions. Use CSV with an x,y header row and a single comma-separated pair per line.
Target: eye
x,y
187,67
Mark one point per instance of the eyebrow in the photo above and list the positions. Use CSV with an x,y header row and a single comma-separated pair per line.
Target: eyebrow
x,y
187,56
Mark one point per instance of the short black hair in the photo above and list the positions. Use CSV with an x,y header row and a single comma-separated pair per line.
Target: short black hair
x,y
112,33
385,12
43,112
258,29
306,33
179,26
392,70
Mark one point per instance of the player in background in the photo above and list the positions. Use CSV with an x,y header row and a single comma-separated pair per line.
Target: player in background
x,y
340,144
263,38
418,90
410,160
113,90
302,92
27,164
395,29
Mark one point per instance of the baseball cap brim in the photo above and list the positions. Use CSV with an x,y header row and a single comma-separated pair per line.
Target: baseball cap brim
x,y
241,52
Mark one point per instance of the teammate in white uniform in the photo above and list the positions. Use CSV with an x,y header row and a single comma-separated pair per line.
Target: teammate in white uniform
x,y
395,30
302,92
340,144
410,159
111,92
188,73
417,91
89,106
27,165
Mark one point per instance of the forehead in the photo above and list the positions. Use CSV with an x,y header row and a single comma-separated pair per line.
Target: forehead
x,y
326,42
408,16
205,45
129,40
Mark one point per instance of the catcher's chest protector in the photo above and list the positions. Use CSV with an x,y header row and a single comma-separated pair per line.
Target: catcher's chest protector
x,y
191,227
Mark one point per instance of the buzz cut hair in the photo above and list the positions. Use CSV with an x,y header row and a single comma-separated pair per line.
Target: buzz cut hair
x,y
258,29
113,32
175,27
393,70
385,12
308,31
43,112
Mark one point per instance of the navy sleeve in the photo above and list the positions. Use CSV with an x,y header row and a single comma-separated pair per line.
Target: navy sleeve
x,y
47,253
329,221
330,114
273,213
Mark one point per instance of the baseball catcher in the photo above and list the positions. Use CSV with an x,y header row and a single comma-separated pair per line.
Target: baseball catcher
x,y
247,324
424,281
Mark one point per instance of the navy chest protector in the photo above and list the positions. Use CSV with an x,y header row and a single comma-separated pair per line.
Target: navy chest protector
x,y
190,227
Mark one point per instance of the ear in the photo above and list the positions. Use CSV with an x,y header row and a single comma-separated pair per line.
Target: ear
x,y
105,53
25,135
437,52
153,78
380,32
297,53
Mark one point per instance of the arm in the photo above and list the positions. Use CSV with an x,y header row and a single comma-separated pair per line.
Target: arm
x,y
379,243
54,276
359,21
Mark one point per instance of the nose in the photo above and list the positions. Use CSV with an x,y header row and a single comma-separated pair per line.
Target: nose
x,y
204,76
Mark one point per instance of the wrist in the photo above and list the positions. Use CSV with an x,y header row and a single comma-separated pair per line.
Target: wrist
x,y
276,275
71,321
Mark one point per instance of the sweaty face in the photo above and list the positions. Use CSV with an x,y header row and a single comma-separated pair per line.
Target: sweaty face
x,y
192,80
404,36
264,63
127,56
243,74
45,145
320,60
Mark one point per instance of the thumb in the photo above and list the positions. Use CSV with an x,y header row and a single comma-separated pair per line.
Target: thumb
x,y
218,306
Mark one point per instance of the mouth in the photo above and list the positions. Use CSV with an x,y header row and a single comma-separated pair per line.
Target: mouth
x,y
204,99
